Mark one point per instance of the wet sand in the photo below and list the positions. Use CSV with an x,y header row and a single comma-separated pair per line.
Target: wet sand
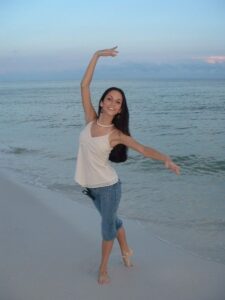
x,y
50,249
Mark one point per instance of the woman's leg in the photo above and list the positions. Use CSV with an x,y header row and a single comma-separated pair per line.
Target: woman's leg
x,y
125,250
108,208
106,251
103,268
121,237
107,203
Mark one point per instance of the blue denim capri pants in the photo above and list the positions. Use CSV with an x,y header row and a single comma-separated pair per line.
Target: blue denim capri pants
x,y
106,199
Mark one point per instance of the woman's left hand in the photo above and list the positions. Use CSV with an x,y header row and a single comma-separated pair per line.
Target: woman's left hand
x,y
169,164
107,52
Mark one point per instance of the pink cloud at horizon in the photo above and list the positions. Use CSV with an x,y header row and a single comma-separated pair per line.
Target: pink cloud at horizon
x,y
214,59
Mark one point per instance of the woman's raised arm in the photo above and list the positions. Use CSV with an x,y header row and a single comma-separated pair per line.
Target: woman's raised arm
x,y
90,113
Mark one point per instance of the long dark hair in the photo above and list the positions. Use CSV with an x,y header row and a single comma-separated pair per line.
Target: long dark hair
x,y
121,122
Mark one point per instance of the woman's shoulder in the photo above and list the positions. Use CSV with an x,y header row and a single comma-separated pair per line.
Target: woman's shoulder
x,y
115,132
115,137
89,123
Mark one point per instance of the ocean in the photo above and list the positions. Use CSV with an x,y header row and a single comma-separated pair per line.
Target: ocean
x,y
40,123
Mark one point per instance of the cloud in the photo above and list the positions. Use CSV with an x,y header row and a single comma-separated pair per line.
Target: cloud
x,y
216,59
194,70
67,67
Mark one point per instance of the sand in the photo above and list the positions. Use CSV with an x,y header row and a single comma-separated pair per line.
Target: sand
x,y
50,250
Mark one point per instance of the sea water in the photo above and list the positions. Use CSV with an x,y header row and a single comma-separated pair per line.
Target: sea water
x,y
40,123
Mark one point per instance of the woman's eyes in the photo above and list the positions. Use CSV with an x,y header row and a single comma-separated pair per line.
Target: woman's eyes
x,y
110,99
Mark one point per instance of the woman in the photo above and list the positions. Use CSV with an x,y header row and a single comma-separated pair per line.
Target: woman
x,y
106,137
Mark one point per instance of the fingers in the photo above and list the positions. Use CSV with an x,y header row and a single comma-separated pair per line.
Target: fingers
x,y
108,52
114,48
177,170
173,167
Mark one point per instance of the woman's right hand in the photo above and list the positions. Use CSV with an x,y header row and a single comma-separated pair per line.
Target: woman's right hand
x,y
107,52
169,164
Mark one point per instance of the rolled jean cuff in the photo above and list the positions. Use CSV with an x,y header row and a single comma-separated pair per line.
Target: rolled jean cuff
x,y
111,234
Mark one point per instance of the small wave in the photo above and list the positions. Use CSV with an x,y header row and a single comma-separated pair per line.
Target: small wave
x,y
208,225
217,225
33,119
199,224
190,164
186,128
19,150
70,158
202,108
200,165
62,187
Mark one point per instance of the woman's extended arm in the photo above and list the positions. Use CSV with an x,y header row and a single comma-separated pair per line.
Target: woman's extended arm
x,y
120,138
90,113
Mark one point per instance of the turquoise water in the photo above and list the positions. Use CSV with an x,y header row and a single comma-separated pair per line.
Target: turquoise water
x,y
40,123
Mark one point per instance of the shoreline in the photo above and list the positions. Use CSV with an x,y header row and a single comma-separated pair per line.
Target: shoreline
x,y
84,201
51,250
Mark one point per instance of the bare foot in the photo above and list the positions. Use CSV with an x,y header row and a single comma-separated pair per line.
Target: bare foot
x,y
126,256
103,277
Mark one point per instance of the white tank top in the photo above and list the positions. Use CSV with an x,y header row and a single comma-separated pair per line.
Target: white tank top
x,y
93,168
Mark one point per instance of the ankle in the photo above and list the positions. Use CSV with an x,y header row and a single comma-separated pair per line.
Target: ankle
x,y
126,256
102,269
125,250
103,277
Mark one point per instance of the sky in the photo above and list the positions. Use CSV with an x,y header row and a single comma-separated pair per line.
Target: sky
x,y
155,39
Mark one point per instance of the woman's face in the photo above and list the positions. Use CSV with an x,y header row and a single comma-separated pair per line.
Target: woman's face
x,y
112,103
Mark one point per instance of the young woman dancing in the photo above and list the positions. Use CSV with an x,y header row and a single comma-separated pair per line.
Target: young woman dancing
x,y
106,137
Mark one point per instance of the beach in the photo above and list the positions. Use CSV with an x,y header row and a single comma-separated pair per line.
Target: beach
x,y
50,249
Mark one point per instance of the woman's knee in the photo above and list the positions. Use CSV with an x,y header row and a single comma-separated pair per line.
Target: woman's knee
x,y
110,228
119,224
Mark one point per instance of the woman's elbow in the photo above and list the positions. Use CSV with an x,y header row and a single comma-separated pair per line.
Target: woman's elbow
x,y
84,84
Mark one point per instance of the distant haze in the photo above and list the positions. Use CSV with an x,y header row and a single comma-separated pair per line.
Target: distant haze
x,y
156,39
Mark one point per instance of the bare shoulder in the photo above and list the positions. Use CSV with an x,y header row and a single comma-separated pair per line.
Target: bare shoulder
x,y
118,137
90,119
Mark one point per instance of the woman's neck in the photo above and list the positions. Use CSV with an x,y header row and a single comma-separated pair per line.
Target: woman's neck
x,y
104,121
